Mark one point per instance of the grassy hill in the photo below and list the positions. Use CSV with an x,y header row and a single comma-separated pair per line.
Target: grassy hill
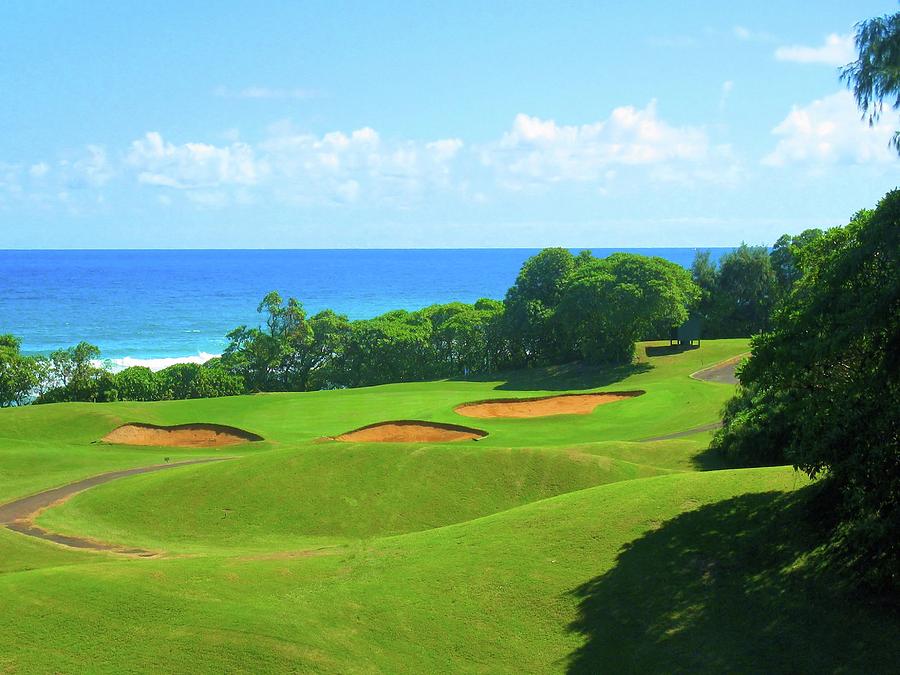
x,y
553,544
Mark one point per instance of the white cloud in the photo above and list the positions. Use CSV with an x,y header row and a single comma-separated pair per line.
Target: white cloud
x,y
257,92
296,167
541,151
837,50
74,181
829,131
445,149
193,165
91,170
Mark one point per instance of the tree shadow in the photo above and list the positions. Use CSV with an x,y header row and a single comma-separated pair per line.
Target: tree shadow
x,y
570,376
711,459
668,350
732,587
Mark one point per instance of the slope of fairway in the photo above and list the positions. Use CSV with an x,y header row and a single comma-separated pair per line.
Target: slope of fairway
x,y
328,490
553,544
673,402
697,572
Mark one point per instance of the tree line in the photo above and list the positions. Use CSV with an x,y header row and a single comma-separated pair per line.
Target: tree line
x,y
73,374
561,308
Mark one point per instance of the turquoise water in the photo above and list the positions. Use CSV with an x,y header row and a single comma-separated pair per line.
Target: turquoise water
x,y
150,306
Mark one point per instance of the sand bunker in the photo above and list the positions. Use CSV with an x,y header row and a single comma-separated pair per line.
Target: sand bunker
x,y
412,431
564,404
180,436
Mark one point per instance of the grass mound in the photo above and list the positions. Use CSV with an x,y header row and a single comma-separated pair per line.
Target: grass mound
x,y
645,575
328,491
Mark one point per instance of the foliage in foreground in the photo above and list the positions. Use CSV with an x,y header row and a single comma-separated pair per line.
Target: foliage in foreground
x,y
875,75
824,385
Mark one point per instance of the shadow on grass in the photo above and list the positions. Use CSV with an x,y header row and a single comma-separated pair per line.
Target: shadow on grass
x,y
668,350
570,376
725,588
711,459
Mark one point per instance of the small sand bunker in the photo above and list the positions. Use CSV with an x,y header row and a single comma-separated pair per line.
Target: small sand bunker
x,y
180,436
564,404
411,431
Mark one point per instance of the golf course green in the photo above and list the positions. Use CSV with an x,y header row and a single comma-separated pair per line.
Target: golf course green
x,y
565,542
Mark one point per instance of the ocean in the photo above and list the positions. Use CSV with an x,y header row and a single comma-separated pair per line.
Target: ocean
x,y
156,307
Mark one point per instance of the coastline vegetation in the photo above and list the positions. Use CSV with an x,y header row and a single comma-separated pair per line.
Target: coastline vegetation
x,y
562,308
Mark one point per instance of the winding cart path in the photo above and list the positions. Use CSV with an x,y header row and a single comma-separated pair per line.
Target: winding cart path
x,y
722,373
19,515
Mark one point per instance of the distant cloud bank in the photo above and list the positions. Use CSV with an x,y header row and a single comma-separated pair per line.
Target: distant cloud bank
x,y
631,147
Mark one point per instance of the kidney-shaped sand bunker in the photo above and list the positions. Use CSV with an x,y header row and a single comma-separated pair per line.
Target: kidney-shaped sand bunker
x,y
180,435
543,406
411,431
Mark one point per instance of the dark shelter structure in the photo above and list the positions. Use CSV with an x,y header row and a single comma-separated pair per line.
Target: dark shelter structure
x,y
687,333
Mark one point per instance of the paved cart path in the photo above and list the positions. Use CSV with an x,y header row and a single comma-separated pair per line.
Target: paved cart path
x,y
18,515
722,373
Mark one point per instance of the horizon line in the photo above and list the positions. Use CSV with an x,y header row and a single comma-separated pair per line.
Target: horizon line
x,y
378,248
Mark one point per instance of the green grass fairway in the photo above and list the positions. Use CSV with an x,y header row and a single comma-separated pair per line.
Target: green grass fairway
x,y
553,544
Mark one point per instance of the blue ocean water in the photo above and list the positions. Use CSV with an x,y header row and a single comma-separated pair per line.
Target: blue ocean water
x,y
150,306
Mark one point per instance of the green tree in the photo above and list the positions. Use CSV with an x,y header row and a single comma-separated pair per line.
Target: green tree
x,y
178,381
610,303
255,356
831,366
705,275
532,302
498,352
745,293
393,347
137,383
73,376
875,75
293,353
328,332
43,375
18,373
213,381
755,430
784,255
464,337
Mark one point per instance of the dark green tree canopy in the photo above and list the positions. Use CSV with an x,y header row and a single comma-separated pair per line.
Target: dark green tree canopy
x,y
823,385
611,302
785,254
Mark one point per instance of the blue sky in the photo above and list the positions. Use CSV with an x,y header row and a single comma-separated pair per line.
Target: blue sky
x,y
331,125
